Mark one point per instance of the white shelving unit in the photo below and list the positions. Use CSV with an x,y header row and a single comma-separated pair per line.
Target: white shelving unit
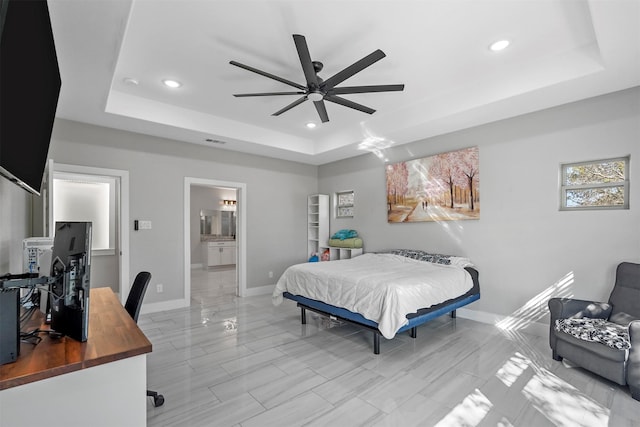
x,y
317,223
318,230
336,253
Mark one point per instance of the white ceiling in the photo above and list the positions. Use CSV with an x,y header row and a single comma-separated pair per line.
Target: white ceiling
x,y
561,51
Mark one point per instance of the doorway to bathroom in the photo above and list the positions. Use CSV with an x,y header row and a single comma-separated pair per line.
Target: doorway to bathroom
x,y
214,241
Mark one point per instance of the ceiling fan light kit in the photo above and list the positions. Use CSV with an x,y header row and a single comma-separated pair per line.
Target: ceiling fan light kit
x,y
315,96
318,90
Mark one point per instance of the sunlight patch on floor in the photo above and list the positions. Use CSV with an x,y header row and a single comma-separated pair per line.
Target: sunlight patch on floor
x,y
563,404
557,400
554,398
469,412
512,369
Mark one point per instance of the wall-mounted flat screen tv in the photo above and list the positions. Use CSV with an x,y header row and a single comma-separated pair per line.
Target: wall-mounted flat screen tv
x,y
29,89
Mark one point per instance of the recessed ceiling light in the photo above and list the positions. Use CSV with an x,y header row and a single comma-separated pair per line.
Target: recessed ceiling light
x,y
172,83
310,125
130,81
499,45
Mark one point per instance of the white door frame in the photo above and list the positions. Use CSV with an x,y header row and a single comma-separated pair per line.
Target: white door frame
x,y
122,223
241,235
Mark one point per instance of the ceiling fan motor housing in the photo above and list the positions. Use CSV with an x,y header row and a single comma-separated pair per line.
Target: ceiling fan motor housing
x,y
319,90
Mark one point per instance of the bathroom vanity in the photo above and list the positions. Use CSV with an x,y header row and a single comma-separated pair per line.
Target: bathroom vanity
x,y
219,252
217,236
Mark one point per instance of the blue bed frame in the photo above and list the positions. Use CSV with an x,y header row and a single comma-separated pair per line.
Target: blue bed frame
x,y
415,319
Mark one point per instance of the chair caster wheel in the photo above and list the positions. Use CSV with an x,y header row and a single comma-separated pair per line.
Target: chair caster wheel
x,y
158,400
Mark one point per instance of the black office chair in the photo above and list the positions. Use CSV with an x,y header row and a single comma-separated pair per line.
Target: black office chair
x,y
133,304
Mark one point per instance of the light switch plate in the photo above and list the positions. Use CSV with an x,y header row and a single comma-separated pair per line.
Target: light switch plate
x,y
144,225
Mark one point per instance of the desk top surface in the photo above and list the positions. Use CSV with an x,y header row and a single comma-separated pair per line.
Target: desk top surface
x,y
113,335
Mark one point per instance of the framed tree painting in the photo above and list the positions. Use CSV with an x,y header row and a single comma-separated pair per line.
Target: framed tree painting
x,y
443,187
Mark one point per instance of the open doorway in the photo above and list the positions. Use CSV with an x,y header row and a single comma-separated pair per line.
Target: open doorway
x,y
213,244
101,196
214,241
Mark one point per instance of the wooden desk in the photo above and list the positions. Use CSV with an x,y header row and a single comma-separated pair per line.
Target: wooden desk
x,y
98,376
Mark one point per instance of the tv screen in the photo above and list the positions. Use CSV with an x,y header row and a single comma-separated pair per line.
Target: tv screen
x,y
29,88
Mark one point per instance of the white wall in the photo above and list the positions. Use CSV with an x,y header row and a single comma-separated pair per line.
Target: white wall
x,y
276,198
15,225
522,244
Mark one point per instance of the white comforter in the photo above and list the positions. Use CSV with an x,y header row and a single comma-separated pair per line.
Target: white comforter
x,y
383,288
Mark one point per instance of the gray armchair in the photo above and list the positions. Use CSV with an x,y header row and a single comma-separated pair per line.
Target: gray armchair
x,y
623,308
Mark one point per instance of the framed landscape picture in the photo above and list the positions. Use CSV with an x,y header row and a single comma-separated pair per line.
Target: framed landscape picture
x,y
443,187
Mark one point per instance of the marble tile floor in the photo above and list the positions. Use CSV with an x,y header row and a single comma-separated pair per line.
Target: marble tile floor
x,y
229,361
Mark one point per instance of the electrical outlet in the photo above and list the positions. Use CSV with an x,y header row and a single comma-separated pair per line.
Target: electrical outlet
x,y
159,288
271,275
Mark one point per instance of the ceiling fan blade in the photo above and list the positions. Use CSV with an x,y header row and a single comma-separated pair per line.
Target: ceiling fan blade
x,y
241,95
353,69
271,76
305,60
365,89
322,111
350,104
290,106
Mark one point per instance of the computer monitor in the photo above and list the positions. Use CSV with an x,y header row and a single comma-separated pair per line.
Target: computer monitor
x,y
71,268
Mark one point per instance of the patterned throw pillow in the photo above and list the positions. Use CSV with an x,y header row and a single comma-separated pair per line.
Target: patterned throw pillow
x,y
433,258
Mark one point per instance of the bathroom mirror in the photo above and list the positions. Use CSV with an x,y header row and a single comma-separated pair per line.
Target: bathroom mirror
x,y
218,223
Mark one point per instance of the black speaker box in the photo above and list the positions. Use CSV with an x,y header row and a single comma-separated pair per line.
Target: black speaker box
x,y
9,325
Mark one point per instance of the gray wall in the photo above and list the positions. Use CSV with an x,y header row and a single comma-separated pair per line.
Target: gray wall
x,y
276,198
524,247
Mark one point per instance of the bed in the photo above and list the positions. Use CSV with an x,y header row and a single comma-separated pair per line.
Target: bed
x,y
387,293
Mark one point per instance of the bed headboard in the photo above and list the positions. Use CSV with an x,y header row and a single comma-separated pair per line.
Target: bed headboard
x,y
475,276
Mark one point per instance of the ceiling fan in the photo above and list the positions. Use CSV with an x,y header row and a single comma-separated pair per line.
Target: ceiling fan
x,y
319,90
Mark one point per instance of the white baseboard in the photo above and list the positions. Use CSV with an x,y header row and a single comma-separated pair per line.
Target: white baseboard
x,y
505,322
479,316
156,307
197,266
260,290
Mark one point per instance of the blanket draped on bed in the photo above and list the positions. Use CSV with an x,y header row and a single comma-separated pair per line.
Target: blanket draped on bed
x,y
383,288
